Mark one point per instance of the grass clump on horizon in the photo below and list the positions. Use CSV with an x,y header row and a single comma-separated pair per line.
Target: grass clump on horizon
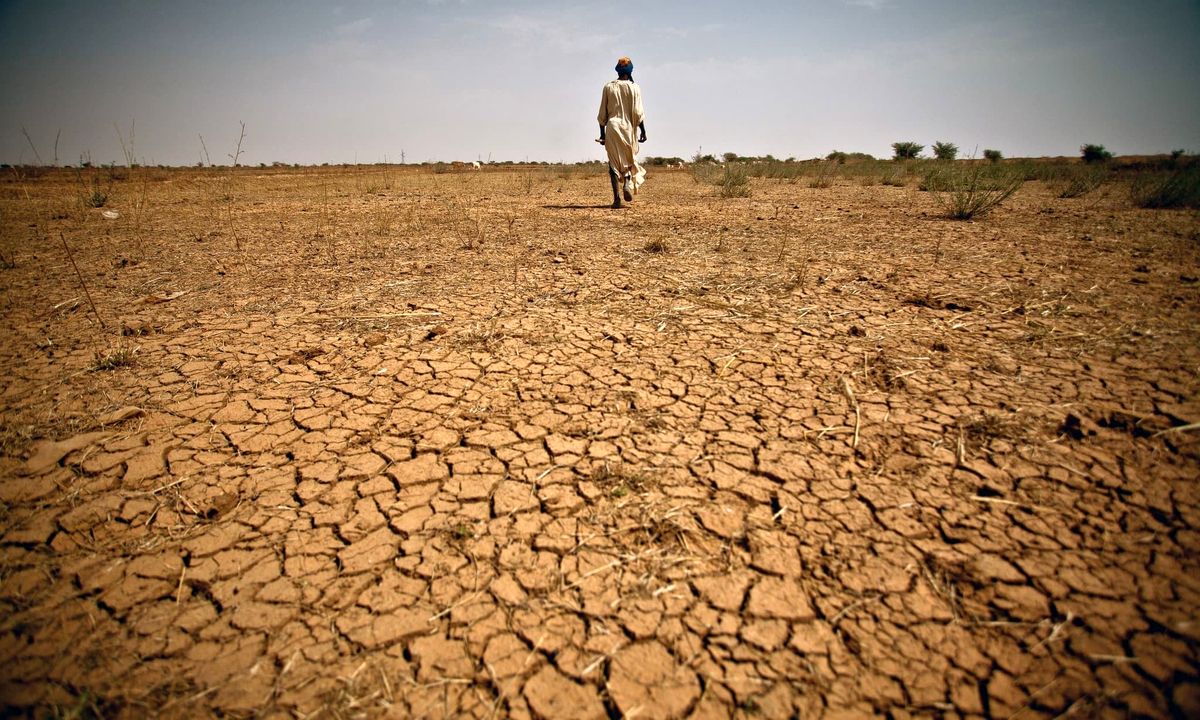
x,y
1079,180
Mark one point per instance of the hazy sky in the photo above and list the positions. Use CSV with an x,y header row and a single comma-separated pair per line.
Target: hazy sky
x,y
469,79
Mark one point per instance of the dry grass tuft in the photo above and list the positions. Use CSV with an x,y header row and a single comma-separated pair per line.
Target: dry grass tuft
x,y
943,580
117,355
655,525
970,192
1078,181
1167,190
881,372
653,541
619,481
364,693
824,176
735,183
15,436
894,178
486,336
655,245
979,430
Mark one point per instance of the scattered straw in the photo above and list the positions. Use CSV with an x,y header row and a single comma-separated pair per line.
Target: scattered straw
x,y
1178,429
849,392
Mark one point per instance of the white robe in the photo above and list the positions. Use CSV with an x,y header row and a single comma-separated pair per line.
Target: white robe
x,y
620,114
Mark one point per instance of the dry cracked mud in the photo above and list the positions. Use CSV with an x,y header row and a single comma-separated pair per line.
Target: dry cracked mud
x,y
359,444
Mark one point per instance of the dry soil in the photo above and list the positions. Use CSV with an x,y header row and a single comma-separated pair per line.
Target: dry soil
x,y
358,442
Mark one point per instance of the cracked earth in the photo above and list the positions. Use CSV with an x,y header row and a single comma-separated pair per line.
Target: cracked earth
x,y
469,445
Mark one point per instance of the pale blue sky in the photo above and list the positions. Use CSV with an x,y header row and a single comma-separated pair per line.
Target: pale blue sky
x,y
467,79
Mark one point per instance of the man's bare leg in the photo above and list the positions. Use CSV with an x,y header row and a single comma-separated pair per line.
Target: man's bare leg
x,y
612,177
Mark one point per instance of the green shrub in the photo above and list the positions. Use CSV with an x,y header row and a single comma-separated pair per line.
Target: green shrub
x,y
779,170
993,155
1167,190
837,156
894,178
945,150
91,193
935,179
1050,172
1094,153
824,176
971,191
736,181
906,150
705,172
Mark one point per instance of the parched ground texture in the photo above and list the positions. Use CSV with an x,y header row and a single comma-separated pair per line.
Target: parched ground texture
x,y
356,442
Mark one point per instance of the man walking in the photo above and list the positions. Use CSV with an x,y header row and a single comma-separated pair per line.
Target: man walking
x,y
620,113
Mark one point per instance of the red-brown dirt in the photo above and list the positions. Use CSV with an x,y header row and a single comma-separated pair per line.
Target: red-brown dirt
x,y
357,443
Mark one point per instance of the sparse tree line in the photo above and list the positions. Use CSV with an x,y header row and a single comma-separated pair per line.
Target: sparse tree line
x,y
903,150
968,189
909,150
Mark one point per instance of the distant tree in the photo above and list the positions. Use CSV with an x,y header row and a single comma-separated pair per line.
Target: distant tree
x,y
1094,153
906,150
945,150
837,156
730,157
993,155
